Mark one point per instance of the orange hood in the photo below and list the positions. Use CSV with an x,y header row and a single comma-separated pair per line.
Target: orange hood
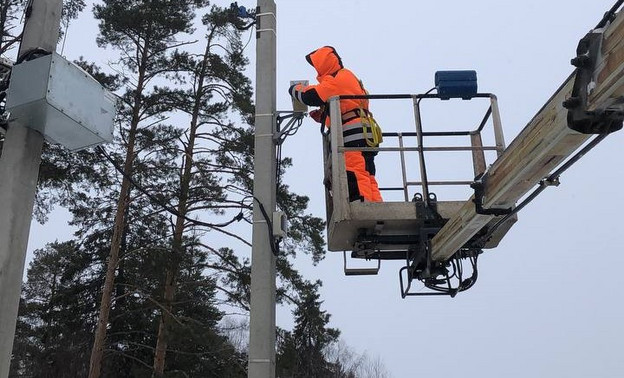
x,y
325,61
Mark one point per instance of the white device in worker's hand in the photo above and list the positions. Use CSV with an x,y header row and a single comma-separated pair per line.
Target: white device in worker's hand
x,y
299,106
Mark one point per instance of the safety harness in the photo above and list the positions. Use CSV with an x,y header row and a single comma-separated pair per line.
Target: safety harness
x,y
368,129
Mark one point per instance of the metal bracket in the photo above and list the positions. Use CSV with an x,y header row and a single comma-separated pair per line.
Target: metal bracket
x,y
290,128
360,271
548,181
420,265
479,189
426,210
579,117
405,288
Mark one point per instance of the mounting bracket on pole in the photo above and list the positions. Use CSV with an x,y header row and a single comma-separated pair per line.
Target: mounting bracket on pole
x,y
581,119
290,128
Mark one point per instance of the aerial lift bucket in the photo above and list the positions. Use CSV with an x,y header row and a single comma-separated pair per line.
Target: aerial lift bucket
x,y
392,230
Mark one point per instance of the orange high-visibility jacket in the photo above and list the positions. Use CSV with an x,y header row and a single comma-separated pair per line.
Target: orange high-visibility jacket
x,y
334,79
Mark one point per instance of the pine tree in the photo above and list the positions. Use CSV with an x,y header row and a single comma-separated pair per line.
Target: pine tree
x,y
57,310
217,87
144,32
195,346
150,231
10,13
216,150
302,352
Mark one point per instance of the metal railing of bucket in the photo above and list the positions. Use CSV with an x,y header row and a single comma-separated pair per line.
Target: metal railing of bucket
x,y
334,147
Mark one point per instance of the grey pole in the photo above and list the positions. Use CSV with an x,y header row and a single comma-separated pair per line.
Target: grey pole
x,y
262,313
19,169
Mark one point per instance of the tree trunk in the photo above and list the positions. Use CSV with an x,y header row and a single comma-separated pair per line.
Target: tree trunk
x,y
109,281
165,321
113,259
123,202
171,276
177,250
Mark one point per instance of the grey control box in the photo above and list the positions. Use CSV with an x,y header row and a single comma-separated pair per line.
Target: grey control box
x,y
62,101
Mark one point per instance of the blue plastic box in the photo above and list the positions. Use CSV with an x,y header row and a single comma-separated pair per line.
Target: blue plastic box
x,y
456,84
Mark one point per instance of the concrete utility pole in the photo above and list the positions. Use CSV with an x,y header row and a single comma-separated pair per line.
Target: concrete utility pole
x,y
19,170
262,317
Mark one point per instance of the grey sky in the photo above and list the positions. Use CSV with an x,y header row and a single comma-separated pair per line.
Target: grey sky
x,y
548,300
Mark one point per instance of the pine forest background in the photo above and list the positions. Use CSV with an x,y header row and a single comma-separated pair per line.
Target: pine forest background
x,y
155,281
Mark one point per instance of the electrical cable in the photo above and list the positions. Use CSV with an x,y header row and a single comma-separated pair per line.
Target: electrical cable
x,y
272,242
429,91
444,285
249,40
32,54
278,168
290,129
164,206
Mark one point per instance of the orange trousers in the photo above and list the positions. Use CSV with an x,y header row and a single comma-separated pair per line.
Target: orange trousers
x,y
361,177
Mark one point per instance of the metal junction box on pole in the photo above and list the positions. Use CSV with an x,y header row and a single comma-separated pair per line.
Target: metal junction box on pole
x,y
61,101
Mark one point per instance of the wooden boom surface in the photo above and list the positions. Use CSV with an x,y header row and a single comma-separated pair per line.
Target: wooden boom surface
x,y
540,147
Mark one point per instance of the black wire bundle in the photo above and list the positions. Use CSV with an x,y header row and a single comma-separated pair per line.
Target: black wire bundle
x,y
453,281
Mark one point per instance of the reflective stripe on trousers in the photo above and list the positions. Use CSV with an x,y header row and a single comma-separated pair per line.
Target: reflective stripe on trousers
x,y
366,183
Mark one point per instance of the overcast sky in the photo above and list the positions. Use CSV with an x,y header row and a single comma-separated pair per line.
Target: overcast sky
x,y
548,301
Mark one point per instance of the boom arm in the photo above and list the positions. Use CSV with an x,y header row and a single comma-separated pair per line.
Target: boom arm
x,y
541,146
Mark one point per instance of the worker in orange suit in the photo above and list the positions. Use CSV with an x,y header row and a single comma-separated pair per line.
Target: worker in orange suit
x,y
334,79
